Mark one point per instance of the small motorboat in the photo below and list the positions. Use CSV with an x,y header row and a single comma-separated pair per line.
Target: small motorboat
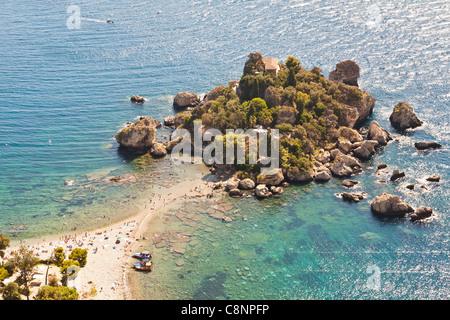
x,y
143,255
144,265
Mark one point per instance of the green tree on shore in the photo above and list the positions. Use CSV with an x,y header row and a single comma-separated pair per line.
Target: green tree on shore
x,y
25,261
4,243
10,292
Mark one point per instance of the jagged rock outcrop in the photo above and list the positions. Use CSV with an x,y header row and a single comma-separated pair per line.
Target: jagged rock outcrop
x,y
345,165
376,132
139,135
366,150
186,99
346,71
358,105
214,94
390,205
350,134
422,145
403,117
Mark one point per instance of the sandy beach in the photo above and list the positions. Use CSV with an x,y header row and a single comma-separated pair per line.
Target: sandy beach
x,y
110,247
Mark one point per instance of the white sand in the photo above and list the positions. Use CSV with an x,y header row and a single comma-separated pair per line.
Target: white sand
x,y
107,261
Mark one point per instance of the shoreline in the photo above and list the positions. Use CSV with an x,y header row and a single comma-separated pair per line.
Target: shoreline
x,y
108,262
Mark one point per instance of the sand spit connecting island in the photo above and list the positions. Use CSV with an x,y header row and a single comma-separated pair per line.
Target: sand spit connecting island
x,y
322,135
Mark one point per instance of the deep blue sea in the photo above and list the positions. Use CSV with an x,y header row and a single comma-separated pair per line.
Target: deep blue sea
x,y
65,92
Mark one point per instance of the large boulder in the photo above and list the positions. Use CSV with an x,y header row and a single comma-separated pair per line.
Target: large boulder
x,y
366,150
422,145
232,183
346,71
186,99
350,134
158,150
139,135
246,184
294,174
421,213
261,191
322,174
390,205
403,117
271,177
345,165
376,132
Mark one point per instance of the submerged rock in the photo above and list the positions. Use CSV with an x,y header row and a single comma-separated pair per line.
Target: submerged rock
x,y
353,197
349,183
422,145
403,117
421,213
390,205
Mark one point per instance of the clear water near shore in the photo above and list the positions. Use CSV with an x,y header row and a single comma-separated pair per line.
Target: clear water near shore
x,y
65,93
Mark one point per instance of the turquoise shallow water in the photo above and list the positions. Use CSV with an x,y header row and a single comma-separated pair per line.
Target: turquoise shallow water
x,y
64,93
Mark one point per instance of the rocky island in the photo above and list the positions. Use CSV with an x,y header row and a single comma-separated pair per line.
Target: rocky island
x,y
319,120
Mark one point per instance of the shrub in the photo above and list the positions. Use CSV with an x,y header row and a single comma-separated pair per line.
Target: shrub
x,y
79,255
284,127
57,293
